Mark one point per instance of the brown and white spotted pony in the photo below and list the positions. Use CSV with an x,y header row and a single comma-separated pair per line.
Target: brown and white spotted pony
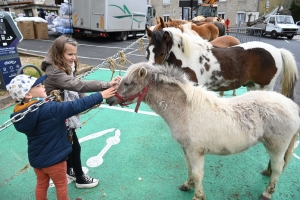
x,y
255,65
191,112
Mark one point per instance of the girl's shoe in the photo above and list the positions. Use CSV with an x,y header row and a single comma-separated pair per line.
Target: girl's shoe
x,y
86,182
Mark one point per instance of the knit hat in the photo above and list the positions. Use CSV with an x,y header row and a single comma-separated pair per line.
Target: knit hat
x,y
21,84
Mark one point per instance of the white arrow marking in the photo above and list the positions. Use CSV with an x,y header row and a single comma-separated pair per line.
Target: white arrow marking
x,y
96,161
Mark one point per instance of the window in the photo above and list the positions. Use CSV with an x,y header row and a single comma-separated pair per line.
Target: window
x,y
221,15
241,17
166,17
185,13
272,20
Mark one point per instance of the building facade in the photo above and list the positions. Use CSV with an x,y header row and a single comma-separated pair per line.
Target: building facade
x,y
237,11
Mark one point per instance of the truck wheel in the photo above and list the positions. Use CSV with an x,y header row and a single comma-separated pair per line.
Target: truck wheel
x,y
290,37
274,34
124,35
263,33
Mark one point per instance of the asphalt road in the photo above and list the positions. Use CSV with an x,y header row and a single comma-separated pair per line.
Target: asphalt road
x,y
91,51
95,51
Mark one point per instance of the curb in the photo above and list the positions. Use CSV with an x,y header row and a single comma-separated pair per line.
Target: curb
x,y
6,101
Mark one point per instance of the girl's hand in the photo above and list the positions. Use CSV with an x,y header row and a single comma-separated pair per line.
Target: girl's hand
x,y
115,81
108,92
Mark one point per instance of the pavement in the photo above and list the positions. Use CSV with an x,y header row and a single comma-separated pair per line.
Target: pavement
x,y
135,158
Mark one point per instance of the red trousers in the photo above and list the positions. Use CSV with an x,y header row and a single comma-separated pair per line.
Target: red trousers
x,y
58,175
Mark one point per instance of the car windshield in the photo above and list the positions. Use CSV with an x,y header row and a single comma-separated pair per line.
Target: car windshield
x,y
285,19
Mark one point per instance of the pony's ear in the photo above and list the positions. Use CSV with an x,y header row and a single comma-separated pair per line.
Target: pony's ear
x,y
162,23
170,20
142,72
149,32
157,20
166,36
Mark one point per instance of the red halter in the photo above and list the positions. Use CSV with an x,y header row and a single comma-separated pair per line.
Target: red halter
x,y
141,94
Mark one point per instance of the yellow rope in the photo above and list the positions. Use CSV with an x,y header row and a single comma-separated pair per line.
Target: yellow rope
x,y
141,47
111,66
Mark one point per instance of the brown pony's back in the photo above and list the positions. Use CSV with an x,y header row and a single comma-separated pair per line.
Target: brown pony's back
x,y
207,31
225,41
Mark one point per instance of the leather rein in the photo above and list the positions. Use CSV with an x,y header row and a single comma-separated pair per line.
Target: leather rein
x,y
141,94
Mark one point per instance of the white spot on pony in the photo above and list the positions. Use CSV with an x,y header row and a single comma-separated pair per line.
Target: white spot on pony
x,y
151,56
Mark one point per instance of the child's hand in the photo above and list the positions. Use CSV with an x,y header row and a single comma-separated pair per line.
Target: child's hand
x,y
115,81
108,92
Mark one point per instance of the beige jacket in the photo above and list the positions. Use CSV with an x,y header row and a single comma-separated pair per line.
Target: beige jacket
x,y
58,79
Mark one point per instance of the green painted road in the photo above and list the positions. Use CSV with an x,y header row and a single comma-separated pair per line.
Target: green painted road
x,y
135,158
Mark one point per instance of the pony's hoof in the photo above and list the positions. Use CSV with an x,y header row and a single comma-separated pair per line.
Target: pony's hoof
x,y
263,198
266,173
183,188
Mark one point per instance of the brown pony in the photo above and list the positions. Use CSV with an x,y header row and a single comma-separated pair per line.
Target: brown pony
x,y
206,31
219,25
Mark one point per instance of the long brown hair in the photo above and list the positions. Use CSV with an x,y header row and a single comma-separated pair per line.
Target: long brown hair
x,y
57,50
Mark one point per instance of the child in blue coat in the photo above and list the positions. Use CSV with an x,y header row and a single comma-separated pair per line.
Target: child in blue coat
x,y
46,131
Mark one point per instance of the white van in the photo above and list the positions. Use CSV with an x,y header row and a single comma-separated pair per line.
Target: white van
x,y
279,26
298,24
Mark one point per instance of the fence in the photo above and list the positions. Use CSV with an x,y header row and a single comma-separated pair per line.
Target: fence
x,y
245,34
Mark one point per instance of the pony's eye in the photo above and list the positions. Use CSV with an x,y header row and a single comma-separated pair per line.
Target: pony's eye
x,y
161,54
126,84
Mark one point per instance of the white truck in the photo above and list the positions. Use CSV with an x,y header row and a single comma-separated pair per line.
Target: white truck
x,y
117,19
278,26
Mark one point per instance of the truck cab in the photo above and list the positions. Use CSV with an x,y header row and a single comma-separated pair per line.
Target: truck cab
x,y
280,26
207,10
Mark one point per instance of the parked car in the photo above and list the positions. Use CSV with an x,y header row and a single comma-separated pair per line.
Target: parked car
x,y
298,24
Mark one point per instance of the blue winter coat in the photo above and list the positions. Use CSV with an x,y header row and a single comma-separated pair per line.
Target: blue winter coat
x,y
46,131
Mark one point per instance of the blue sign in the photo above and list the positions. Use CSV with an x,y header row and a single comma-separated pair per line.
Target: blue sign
x,y
9,69
10,62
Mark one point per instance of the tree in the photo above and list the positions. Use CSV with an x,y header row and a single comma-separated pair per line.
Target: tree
x,y
295,10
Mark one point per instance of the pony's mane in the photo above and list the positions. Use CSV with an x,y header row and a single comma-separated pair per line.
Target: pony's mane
x,y
188,39
174,75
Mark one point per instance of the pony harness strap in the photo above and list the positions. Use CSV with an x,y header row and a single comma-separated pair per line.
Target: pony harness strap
x,y
141,94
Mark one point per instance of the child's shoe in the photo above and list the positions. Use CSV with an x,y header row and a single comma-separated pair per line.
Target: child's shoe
x,y
71,174
86,182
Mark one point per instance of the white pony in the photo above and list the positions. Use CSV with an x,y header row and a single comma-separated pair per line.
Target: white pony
x,y
203,123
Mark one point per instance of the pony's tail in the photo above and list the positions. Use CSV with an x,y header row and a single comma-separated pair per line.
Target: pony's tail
x,y
289,151
289,76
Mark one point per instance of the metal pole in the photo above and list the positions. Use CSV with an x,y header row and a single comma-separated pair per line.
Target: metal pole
x,y
20,71
191,9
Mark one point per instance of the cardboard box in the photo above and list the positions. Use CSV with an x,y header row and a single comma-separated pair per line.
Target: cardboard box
x,y
26,29
41,30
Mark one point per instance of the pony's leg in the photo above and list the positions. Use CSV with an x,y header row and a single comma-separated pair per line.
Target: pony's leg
x,y
277,163
197,172
268,171
234,92
190,182
221,93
